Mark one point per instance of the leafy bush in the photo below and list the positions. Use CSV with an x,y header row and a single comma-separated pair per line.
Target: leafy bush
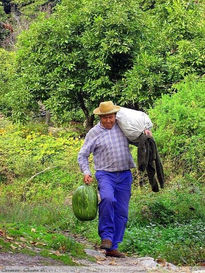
x,y
26,151
36,165
179,244
6,75
179,126
173,205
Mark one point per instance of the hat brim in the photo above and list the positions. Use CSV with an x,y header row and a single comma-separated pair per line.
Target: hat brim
x,y
98,112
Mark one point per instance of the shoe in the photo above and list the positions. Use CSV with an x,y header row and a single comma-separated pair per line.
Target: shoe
x,y
106,244
115,253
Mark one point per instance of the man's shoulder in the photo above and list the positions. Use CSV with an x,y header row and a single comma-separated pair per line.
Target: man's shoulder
x,y
95,131
117,128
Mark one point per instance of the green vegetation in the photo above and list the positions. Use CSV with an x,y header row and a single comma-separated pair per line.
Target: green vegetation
x,y
6,72
71,55
88,51
179,243
39,173
37,179
179,126
4,17
32,240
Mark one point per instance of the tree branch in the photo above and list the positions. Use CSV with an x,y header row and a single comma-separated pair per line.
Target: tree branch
x,y
49,168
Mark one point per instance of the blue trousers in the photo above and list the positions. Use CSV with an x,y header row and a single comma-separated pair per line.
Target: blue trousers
x,y
115,191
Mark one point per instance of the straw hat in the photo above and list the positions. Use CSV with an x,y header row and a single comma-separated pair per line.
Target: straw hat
x,y
105,108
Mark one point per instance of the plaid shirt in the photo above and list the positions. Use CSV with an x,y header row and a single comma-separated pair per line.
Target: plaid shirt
x,y
110,149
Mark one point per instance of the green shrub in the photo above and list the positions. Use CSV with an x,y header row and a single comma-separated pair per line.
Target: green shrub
x,y
179,126
37,166
27,150
177,203
6,75
179,244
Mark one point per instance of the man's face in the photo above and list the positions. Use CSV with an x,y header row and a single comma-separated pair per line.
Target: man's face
x,y
108,121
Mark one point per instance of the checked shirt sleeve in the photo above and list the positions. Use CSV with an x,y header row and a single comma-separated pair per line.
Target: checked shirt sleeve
x,y
84,153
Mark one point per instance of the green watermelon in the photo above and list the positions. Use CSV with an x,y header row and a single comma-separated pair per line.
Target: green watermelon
x,y
85,202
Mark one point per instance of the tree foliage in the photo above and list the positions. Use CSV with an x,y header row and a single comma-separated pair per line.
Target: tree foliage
x,y
173,48
75,61
128,51
6,73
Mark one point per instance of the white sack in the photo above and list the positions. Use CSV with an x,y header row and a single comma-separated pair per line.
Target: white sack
x,y
133,122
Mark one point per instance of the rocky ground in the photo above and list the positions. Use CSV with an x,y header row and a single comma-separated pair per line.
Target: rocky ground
x,y
10,262
18,262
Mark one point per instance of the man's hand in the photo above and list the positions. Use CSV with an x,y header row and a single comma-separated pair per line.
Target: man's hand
x,y
148,132
87,179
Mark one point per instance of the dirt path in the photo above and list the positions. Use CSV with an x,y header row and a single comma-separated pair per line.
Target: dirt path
x,y
10,262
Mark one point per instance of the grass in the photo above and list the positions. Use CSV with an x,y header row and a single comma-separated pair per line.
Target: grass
x,y
18,237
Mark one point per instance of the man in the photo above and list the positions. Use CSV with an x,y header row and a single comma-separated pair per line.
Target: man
x,y
113,161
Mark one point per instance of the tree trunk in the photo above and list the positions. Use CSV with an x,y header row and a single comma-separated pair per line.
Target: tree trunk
x,y
48,117
89,119
89,122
